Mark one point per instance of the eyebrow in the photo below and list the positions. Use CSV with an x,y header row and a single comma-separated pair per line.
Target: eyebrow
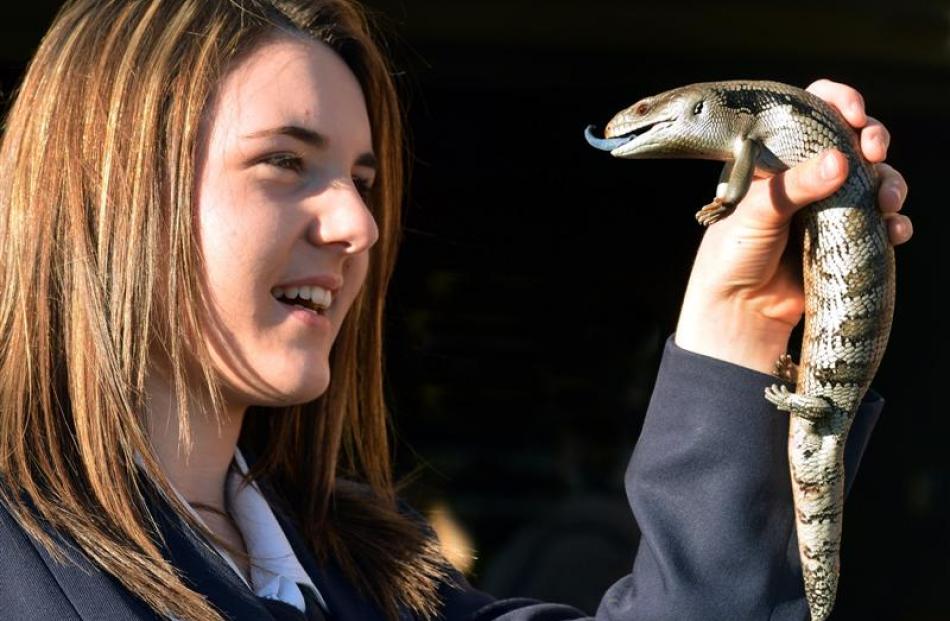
x,y
312,138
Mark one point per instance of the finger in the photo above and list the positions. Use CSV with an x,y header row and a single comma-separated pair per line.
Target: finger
x,y
810,181
843,97
892,192
874,140
899,228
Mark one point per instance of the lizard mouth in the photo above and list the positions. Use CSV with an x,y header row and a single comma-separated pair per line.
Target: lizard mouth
x,y
638,141
629,142
607,144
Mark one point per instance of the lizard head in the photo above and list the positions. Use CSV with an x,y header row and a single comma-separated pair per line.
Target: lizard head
x,y
680,123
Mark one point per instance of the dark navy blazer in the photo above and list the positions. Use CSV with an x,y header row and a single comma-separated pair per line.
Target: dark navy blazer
x,y
708,484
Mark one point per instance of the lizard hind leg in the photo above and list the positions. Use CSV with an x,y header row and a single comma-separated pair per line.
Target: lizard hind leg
x,y
805,406
786,369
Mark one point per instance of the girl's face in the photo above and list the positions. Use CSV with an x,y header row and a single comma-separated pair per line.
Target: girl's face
x,y
285,163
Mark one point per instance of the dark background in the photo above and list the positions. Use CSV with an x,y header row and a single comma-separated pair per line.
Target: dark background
x,y
539,278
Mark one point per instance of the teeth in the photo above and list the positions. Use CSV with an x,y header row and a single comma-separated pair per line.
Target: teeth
x,y
318,296
321,297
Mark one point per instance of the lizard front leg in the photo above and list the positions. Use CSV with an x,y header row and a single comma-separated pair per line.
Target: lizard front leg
x,y
734,182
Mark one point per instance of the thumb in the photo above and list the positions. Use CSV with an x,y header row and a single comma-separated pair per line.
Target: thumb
x,y
807,182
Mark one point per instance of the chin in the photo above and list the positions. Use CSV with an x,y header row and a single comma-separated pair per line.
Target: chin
x,y
303,389
292,388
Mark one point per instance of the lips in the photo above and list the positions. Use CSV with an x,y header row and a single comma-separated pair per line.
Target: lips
x,y
330,282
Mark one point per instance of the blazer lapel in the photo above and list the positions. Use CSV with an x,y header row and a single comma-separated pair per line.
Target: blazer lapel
x,y
205,571
343,600
97,596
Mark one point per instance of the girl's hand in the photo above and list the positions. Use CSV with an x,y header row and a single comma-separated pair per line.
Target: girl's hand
x,y
743,299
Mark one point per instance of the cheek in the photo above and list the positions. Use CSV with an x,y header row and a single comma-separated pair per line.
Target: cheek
x,y
354,277
354,273
237,244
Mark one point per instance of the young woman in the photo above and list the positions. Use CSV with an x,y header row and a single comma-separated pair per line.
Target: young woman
x,y
199,208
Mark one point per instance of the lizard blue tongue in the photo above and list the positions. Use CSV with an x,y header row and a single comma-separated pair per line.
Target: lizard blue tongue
x,y
605,144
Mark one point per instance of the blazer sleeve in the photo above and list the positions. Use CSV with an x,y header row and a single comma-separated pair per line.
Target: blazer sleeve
x,y
709,487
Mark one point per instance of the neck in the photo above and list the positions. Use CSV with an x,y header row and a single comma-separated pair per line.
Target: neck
x,y
199,476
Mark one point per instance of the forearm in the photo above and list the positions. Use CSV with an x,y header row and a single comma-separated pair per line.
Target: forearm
x,y
709,486
732,332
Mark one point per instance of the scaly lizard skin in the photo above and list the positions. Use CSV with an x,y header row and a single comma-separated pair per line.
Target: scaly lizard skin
x,y
848,273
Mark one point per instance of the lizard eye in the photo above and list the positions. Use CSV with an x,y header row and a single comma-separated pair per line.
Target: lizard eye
x,y
643,108
698,107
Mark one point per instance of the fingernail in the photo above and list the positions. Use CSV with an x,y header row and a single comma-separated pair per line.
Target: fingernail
x,y
829,166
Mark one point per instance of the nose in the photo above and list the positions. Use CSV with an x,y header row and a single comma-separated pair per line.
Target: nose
x,y
343,218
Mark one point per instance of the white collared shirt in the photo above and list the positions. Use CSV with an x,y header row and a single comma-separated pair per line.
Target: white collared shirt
x,y
275,570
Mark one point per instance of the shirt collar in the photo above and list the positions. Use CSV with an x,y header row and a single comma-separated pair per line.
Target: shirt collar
x,y
275,570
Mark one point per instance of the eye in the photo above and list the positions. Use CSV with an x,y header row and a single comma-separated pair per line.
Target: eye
x,y
286,161
363,186
698,107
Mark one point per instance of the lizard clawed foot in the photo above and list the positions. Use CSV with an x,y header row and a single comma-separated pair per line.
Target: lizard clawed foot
x,y
804,406
779,397
786,369
714,212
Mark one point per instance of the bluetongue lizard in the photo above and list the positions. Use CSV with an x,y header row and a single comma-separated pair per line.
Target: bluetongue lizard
x,y
848,273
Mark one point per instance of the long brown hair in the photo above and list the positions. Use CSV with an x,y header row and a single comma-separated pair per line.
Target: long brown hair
x,y
99,271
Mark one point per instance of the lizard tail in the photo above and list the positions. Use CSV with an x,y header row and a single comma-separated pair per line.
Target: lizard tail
x,y
821,584
817,469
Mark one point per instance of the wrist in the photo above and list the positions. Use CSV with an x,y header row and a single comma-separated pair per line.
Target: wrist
x,y
733,330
